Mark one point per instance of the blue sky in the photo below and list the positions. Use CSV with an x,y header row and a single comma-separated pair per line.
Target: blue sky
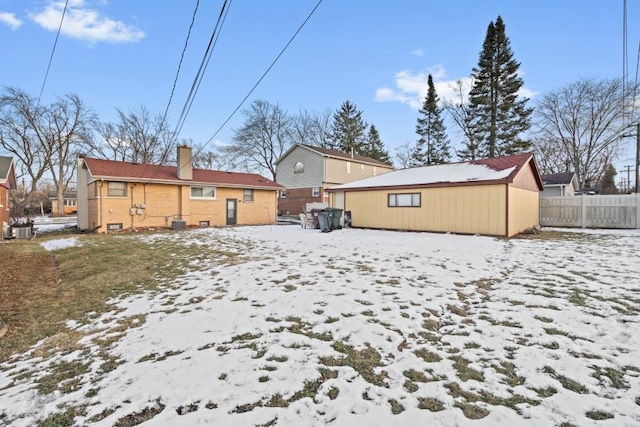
x,y
377,54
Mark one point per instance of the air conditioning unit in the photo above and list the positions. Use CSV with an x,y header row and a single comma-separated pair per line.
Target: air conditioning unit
x,y
22,232
177,224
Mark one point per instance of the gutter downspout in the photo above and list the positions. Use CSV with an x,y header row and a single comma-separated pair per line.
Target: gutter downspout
x,y
101,203
506,216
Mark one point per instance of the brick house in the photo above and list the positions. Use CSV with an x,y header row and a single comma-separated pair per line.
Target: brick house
x,y
306,172
7,183
115,196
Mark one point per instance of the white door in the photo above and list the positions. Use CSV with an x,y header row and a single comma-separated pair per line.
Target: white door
x,y
339,204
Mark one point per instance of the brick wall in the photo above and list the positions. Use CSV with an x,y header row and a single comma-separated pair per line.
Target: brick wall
x,y
296,200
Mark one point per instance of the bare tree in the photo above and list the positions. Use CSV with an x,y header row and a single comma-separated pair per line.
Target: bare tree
x,y
22,125
459,111
263,139
584,120
311,128
550,156
136,136
403,155
69,128
210,159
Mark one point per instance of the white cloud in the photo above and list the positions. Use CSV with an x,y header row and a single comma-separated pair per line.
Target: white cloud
x,y
418,52
10,20
84,23
411,89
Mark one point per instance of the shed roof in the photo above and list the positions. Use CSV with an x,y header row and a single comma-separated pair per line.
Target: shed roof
x,y
7,173
558,178
140,172
327,152
494,170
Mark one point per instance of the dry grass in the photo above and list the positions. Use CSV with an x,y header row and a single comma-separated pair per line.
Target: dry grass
x,y
40,290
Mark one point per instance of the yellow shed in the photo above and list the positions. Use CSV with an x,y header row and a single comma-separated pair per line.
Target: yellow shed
x,y
114,196
497,197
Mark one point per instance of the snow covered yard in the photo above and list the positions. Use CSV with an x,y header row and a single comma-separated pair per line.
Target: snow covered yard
x,y
281,326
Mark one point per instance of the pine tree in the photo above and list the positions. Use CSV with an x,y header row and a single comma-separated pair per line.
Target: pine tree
x,y
608,183
432,147
499,117
375,148
347,130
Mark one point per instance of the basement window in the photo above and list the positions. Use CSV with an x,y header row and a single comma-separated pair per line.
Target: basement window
x,y
203,224
114,226
412,200
203,192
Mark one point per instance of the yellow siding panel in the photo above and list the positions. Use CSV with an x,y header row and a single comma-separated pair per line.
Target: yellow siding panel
x,y
338,172
526,179
467,209
524,209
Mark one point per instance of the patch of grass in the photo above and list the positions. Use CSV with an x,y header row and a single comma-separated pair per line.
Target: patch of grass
x,y
431,325
430,404
465,372
473,412
35,302
566,382
102,415
411,387
615,377
277,359
276,401
545,392
427,356
62,419
543,319
363,361
599,415
508,369
484,396
298,326
64,376
471,345
310,388
140,417
396,407
333,393
247,407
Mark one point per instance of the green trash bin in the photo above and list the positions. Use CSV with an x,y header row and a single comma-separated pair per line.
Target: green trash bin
x,y
324,220
336,214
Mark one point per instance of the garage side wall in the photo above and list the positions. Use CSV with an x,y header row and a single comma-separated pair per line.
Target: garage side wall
x,y
478,209
524,209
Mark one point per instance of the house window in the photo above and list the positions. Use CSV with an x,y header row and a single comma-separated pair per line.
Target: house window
x,y
117,189
403,200
203,224
283,193
247,195
315,192
117,226
203,192
298,167
348,167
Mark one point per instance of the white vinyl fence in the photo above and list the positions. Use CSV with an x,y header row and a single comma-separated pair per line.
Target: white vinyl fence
x,y
614,211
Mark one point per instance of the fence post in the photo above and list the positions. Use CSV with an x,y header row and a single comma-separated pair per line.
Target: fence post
x,y
637,211
583,217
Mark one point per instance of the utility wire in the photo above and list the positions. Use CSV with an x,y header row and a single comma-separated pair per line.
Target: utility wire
x,y
55,43
260,79
184,49
203,66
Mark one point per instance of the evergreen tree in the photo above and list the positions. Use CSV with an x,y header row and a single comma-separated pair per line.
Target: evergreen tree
x,y
432,147
375,148
499,117
608,183
347,130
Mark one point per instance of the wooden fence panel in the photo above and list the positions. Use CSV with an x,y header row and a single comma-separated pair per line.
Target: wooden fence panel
x,y
611,211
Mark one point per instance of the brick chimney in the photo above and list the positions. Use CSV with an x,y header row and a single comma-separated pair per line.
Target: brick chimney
x,y
185,167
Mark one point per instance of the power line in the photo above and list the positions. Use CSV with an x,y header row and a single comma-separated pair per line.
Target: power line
x,y
55,43
261,78
184,49
203,66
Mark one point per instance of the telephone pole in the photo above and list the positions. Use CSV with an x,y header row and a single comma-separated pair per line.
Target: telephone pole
x,y
637,157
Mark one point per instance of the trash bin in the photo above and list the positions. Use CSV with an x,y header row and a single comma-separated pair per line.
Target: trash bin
x,y
336,214
347,218
314,214
324,220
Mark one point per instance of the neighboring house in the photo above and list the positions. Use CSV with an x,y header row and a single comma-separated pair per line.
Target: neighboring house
x,y
121,195
560,184
498,196
306,172
7,183
70,203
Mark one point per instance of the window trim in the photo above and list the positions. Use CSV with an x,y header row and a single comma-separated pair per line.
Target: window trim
x,y
215,192
315,191
415,200
111,191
